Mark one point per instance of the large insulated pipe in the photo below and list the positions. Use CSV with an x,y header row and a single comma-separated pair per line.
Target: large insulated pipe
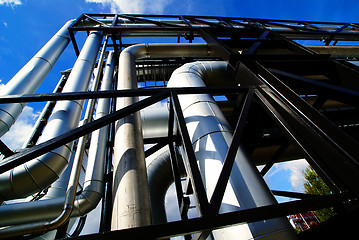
x,y
44,210
211,136
41,172
29,78
160,178
131,206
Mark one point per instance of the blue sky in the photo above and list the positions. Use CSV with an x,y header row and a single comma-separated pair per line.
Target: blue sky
x,y
26,25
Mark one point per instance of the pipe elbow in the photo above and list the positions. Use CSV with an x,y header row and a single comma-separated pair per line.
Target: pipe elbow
x,y
137,50
64,31
86,202
37,174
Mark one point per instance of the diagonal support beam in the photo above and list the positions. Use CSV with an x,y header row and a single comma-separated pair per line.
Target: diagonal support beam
x,y
193,171
5,150
334,92
220,188
38,150
44,97
274,158
257,43
218,192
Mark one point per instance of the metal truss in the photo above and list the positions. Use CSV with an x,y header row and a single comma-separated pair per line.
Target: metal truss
x,y
291,96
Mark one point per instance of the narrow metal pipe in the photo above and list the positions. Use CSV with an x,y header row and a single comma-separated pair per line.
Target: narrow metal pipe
x,y
20,213
79,155
41,172
45,114
94,179
211,135
131,207
29,78
105,223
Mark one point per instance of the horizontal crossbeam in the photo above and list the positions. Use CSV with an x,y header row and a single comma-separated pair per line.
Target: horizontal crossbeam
x,y
196,225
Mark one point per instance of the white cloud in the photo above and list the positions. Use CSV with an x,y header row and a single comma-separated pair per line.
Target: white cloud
x,y
134,6
10,3
296,169
20,131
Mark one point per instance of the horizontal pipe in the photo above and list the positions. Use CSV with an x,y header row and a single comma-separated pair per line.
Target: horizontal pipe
x,y
336,51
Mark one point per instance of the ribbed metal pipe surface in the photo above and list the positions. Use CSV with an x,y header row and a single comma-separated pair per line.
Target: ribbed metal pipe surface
x,y
29,78
19,213
40,172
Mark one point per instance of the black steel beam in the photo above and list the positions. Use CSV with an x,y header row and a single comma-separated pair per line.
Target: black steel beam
x,y
328,159
156,147
183,202
218,192
115,93
5,150
36,151
329,91
216,45
144,20
325,128
193,172
208,223
257,43
46,112
293,194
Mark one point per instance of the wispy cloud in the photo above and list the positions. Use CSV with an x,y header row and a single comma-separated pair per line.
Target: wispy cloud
x,y
296,169
10,3
134,6
19,132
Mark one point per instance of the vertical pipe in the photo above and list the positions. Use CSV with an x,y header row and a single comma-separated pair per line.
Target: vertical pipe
x,y
94,180
29,78
129,210
131,207
105,224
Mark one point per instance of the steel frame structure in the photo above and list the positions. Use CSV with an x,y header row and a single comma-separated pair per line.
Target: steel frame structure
x,y
281,80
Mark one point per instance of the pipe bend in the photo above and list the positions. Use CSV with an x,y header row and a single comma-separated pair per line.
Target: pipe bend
x,y
211,137
86,202
137,50
160,178
147,50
